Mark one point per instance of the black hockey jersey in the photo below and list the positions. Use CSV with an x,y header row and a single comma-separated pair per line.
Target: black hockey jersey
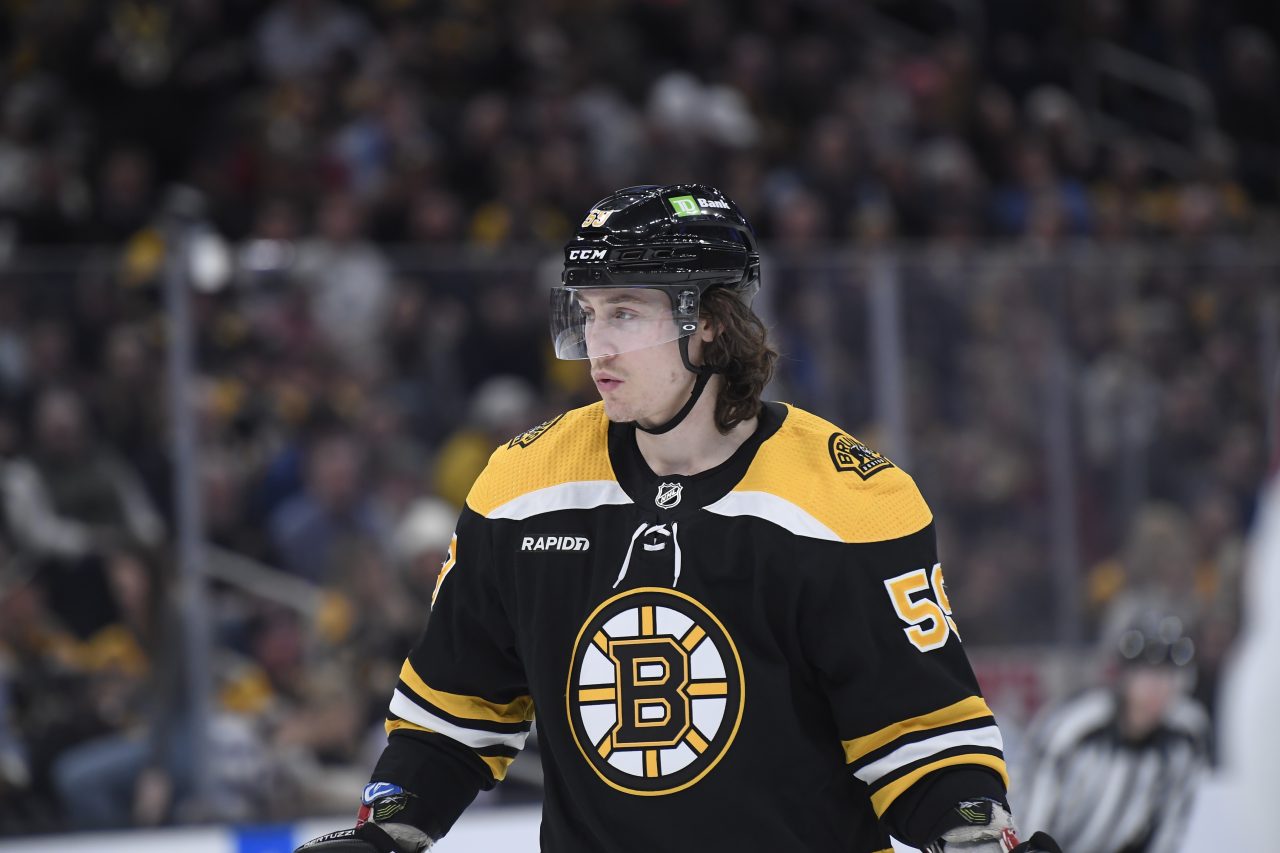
x,y
760,656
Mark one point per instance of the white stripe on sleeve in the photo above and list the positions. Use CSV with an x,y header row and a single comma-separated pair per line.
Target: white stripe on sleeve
x,y
987,736
406,709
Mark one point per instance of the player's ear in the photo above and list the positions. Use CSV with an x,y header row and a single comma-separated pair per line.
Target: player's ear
x,y
707,330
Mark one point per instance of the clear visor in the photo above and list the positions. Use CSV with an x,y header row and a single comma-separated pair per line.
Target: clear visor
x,y
593,322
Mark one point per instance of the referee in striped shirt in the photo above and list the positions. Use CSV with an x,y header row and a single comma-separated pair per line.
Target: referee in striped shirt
x,y
1114,770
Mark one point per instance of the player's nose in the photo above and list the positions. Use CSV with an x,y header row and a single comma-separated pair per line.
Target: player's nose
x,y
598,344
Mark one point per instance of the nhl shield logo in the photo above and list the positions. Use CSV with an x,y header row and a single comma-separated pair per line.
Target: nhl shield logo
x,y
668,495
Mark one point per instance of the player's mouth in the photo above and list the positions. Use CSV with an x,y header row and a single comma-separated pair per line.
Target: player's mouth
x,y
605,382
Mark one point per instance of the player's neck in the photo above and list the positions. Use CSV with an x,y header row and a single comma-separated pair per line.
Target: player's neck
x,y
694,445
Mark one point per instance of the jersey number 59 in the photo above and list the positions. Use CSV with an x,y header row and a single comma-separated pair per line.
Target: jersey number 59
x,y
929,622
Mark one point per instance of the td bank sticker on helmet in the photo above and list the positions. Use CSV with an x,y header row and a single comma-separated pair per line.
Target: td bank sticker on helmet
x,y
685,205
655,691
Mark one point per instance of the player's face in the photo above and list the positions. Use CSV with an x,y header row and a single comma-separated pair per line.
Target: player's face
x,y
650,384
1148,693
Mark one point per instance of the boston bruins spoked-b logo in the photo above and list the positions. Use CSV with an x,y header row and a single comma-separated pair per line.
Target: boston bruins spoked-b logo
x,y
655,691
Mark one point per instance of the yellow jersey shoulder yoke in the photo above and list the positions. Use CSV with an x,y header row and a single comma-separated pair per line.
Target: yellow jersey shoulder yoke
x,y
855,492
570,448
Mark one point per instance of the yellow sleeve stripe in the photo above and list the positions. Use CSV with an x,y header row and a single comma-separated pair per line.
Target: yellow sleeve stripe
x,y
468,707
497,764
966,709
883,798
394,725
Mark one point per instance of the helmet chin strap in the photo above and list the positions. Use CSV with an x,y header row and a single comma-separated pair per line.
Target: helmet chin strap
x,y
703,374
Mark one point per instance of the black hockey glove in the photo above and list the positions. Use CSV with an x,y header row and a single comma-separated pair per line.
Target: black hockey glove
x,y
985,826
1039,842
366,838
376,829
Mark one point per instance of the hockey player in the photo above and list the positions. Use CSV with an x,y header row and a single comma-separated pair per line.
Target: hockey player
x,y
729,614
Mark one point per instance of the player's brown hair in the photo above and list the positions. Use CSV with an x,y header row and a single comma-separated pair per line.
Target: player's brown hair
x,y
740,352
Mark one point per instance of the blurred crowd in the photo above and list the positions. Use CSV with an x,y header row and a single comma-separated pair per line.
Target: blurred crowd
x,y
390,183
490,122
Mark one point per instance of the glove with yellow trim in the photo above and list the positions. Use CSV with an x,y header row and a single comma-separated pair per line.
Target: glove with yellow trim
x,y
376,829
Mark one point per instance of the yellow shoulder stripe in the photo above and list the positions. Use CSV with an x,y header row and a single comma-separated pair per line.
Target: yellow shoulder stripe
x,y
468,707
796,465
967,709
497,764
882,799
571,448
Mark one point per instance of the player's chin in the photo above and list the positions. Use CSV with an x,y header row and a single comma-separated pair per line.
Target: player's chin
x,y
617,412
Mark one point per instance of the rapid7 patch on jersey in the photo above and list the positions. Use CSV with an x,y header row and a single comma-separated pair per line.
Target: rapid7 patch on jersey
x,y
929,622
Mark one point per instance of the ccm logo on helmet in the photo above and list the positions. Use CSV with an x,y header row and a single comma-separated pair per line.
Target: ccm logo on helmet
x,y
587,254
555,543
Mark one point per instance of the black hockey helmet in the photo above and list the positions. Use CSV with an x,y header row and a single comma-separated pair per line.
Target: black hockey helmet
x,y
682,239
1155,639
